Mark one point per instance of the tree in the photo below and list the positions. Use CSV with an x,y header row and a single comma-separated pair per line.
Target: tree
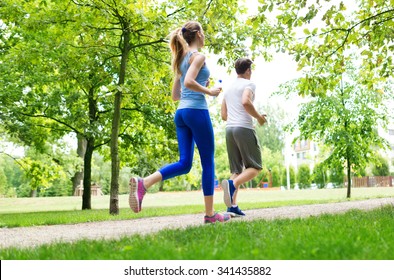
x,y
346,120
319,175
86,73
271,134
323,36
336,175
304,176
74,79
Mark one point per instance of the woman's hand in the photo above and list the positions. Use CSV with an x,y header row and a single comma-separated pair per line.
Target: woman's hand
x,y
215,91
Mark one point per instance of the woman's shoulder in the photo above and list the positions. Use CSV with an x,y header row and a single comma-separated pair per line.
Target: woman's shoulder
x,y
197,57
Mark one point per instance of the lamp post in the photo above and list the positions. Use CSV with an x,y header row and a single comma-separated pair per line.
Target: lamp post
x,y
287,159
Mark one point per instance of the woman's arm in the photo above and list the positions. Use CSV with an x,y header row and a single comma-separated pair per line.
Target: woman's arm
x,y
190,78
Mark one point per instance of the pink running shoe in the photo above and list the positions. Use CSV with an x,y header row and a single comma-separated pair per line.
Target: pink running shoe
x,y
217,218
137,192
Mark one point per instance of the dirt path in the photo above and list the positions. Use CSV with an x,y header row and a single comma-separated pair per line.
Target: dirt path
x,y
35,236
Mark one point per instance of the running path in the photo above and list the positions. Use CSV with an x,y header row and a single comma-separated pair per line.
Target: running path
x,y
23,237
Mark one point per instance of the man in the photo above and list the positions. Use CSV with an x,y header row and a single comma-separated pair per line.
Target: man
x,y
243,148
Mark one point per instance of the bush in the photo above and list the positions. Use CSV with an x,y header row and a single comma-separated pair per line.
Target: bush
x,y
336,175
319,175
381,167
304,176
292,177
275,176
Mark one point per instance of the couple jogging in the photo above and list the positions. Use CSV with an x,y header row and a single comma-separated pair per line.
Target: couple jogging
x,y
193,125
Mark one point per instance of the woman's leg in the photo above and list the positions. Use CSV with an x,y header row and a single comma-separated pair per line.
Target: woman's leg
x,y
200,124
186,151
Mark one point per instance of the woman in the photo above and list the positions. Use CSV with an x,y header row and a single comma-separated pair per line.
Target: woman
x,y
192,120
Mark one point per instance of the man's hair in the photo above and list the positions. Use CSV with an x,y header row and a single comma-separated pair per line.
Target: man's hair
x,y
242,64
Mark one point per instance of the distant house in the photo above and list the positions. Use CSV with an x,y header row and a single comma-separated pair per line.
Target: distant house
x,y
95,190
304,152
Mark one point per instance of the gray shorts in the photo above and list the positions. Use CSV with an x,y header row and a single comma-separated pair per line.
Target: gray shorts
x,y
243,149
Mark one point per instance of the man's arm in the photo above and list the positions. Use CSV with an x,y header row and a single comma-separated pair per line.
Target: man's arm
x,y
249,107
223,110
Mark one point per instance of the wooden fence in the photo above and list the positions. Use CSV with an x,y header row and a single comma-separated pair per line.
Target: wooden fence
x,y
371,181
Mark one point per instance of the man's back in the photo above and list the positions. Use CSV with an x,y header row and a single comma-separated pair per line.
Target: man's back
x,y
236,114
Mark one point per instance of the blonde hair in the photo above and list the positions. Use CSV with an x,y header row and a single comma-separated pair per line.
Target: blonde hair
x,y
179,39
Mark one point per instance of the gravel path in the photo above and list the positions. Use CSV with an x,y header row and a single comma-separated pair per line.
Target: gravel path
x,y
23,237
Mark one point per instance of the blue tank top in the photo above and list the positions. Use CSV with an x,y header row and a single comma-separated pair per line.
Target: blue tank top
x,y
189,98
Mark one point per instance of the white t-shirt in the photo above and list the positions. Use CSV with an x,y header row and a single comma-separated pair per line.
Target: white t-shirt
x,y
236,114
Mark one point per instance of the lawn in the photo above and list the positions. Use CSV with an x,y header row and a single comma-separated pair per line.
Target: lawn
x,y
355,235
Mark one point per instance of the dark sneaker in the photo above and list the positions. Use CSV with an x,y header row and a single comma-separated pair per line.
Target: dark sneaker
x,y
217,218
137,192
228,192
235,212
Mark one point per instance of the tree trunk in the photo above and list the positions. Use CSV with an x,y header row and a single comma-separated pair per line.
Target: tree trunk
x,y
81,150
87,175
33,193
114,193
349,179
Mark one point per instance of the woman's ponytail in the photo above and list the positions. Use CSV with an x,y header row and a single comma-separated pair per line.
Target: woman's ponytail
x,y
178,46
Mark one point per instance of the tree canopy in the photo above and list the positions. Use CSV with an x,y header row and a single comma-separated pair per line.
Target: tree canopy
x,y
323,36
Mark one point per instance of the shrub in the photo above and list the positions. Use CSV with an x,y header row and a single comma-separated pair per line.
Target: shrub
x,y
304,176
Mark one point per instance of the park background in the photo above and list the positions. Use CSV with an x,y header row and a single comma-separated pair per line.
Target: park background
x,y
85,97
85,102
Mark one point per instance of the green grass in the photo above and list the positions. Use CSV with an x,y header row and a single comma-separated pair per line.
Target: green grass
x,y
78,216
16,212
355,235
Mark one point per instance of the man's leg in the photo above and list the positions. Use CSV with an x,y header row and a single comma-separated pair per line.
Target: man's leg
x,y
240,179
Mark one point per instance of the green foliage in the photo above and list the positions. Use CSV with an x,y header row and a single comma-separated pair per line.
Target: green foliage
x,y
319,175
346,120
304,176
323,36
381,167
270,158
67,80
222,167
3,184
337,175
271,134
10,176
292,175
276,176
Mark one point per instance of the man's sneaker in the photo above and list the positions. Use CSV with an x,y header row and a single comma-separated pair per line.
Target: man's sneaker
x,y
228,192
137,192
235,212
216,218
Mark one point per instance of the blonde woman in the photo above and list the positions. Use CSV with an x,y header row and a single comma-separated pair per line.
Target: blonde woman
x,y
192,120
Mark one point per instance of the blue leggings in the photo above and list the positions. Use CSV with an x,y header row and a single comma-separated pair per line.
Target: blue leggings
x,y
193,125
